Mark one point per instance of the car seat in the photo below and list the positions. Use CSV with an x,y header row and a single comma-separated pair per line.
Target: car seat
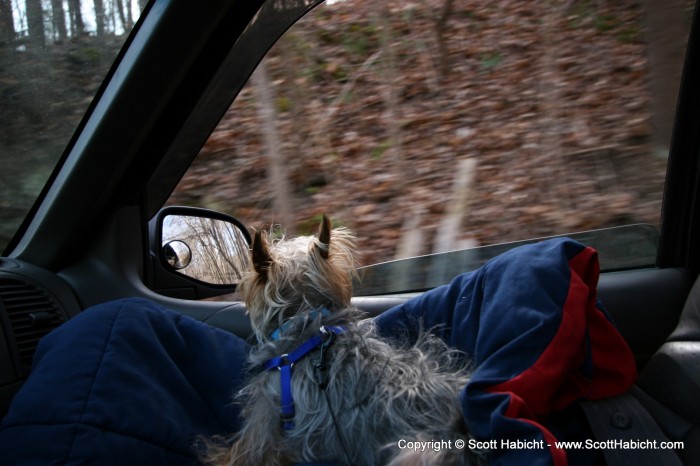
x,y
664,404
670,383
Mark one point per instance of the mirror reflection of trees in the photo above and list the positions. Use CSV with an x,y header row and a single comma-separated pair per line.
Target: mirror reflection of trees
x,y
219,249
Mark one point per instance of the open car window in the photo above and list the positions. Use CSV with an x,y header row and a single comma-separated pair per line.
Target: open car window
x,y
433,127
53,58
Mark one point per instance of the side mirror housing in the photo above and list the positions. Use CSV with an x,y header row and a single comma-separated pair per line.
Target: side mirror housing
x,y
196,253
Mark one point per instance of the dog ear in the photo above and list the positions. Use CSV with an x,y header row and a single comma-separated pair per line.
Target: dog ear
x,y
261,254
324,237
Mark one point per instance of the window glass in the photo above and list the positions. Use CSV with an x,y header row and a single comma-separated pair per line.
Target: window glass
x,y
53,57
433,126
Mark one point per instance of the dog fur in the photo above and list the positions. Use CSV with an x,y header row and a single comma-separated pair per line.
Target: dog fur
x,y
378,391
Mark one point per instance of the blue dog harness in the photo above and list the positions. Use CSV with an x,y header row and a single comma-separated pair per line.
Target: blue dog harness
x,y
313,314
323,339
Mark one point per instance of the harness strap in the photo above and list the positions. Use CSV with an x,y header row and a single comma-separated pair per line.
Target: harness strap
x,y
284,364
313,314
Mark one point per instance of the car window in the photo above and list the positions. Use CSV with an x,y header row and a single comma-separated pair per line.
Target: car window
x,y
428,127
53,57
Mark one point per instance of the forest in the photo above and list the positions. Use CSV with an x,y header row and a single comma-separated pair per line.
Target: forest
x,y
37,23
423,126
428,127
53,58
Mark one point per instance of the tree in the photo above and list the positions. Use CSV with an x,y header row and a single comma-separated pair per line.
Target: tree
x,y
440,34
273,148
35,24
99,17
7,25
667,32
390,76
123,10
77,27
58,20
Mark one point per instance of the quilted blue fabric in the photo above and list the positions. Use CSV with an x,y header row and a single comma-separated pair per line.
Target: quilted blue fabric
x,y
125,382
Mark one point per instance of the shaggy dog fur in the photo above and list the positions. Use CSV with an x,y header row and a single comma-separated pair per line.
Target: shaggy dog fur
x,y
376,393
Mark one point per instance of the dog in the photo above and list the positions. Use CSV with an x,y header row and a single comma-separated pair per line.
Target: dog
x,y
326,387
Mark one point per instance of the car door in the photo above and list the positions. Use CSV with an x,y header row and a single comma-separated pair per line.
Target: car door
x,y
440,168
86,239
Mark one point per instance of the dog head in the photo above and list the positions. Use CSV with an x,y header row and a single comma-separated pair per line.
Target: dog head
x,y
289,277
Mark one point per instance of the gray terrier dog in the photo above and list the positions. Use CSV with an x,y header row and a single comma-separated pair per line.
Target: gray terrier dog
x,y
327,388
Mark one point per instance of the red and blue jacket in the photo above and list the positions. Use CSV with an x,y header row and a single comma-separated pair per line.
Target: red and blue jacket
x,y
128,382
540,341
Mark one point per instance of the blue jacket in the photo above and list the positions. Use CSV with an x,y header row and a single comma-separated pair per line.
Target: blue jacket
x,y
540,341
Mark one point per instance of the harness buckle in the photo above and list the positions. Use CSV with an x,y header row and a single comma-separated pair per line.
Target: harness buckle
x,y
320,368
287,418
284,361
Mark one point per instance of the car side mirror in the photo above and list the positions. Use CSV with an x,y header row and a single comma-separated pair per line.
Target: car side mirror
x,y
198,248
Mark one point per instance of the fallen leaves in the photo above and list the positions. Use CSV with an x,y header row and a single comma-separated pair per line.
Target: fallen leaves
x,y
555,113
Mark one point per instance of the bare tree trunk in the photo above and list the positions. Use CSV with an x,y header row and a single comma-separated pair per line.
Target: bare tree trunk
x,y
440,30
392,113
548,165
58,20
7,25
667,33
76,18
276,172
35,23
118,8
297,99
121,10
228,256
100,17
446,237
129,15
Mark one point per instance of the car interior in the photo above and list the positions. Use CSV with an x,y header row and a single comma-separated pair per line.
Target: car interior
x,y
96,231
